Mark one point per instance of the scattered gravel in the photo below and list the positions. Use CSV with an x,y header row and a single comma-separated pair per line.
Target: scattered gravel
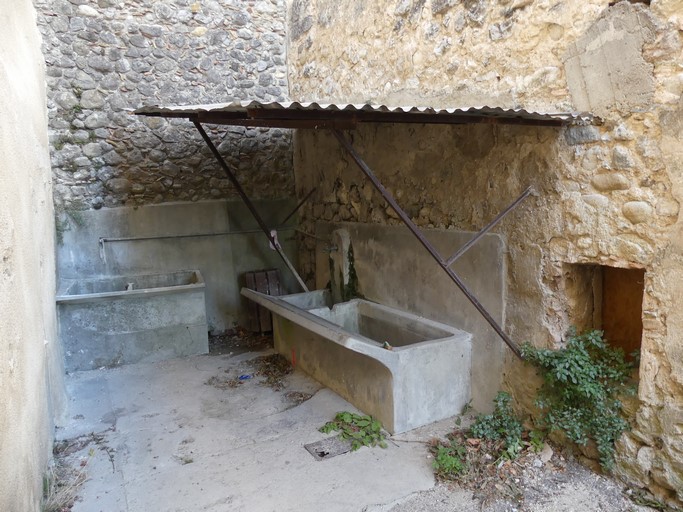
x,y
558,485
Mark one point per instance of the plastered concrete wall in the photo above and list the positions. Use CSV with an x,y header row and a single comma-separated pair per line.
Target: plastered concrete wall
x,y
107,57
30,363
606,195
207,235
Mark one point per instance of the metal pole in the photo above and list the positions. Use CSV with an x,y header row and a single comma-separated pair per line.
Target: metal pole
x,y
301,203
426,243
487,228
105,240
250,206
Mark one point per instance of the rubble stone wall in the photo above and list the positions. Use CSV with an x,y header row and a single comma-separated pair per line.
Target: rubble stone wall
x,y
107,57
603,195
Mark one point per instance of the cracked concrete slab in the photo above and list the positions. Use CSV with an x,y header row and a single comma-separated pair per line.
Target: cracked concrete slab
x,y
173,442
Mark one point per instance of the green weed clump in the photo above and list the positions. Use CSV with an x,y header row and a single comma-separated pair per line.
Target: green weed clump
x,y
491,438
501,424
582,383
360,430
450,459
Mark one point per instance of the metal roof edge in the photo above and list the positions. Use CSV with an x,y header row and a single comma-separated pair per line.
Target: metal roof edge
x,y
252,109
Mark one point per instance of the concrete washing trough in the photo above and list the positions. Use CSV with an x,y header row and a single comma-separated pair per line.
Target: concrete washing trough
x,y
129,319
405,370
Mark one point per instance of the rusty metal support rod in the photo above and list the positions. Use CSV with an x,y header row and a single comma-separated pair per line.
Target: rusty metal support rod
x,y
233,179
298,206
425,243
487,228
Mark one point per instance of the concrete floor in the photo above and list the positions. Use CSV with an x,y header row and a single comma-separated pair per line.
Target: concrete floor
x,y
168,441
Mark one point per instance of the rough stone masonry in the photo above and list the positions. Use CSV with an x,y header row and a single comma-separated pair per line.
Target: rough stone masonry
x,y
108,57
604,195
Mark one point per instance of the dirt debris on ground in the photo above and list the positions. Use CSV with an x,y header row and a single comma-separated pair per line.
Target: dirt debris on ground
x,y
61,486
271,370
223,382
547,479
274,368
297,397
237,341
69,470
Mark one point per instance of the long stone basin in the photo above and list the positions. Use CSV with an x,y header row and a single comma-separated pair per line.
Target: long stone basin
x,y
117,320
403,369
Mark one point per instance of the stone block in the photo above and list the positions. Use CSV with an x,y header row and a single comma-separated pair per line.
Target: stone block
x,y
96,120
596,200
621,158
151,30
610,181
92,99
92,150
637,211
86,10
101,64
119,185
581,135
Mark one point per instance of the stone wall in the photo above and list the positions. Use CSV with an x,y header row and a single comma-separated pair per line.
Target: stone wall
x,y
107,57
31,382
604,195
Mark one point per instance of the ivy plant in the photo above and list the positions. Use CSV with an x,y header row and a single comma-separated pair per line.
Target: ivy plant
x,y
359,429
582,383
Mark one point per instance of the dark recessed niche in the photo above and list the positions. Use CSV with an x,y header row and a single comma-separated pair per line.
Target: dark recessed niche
x,y
607,298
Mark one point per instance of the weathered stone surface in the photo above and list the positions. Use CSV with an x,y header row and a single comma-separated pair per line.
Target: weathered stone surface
x,y
91,99
596,200
92,150
119,185
637,211
621,158
101,64
106,58
86,10
300,21
626,82
619,61
441,6
581,135
611,181
96,120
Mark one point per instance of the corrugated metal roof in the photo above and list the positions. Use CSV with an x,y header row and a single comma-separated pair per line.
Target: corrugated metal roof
x,y
317,115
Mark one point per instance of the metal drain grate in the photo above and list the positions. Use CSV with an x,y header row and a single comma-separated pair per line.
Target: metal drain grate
x,y
328,448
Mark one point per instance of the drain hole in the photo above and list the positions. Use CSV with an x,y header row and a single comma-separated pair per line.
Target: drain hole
x,y
328,448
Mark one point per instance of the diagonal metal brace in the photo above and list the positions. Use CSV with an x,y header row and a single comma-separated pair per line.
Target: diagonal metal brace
x,y
426,243
298,206
487,228
233,179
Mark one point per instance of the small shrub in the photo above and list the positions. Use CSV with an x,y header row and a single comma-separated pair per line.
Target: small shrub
x,y
580,392
536,440
501,424
449,459
361,430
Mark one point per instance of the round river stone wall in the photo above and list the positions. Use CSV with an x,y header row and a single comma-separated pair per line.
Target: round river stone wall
x,y
107,57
